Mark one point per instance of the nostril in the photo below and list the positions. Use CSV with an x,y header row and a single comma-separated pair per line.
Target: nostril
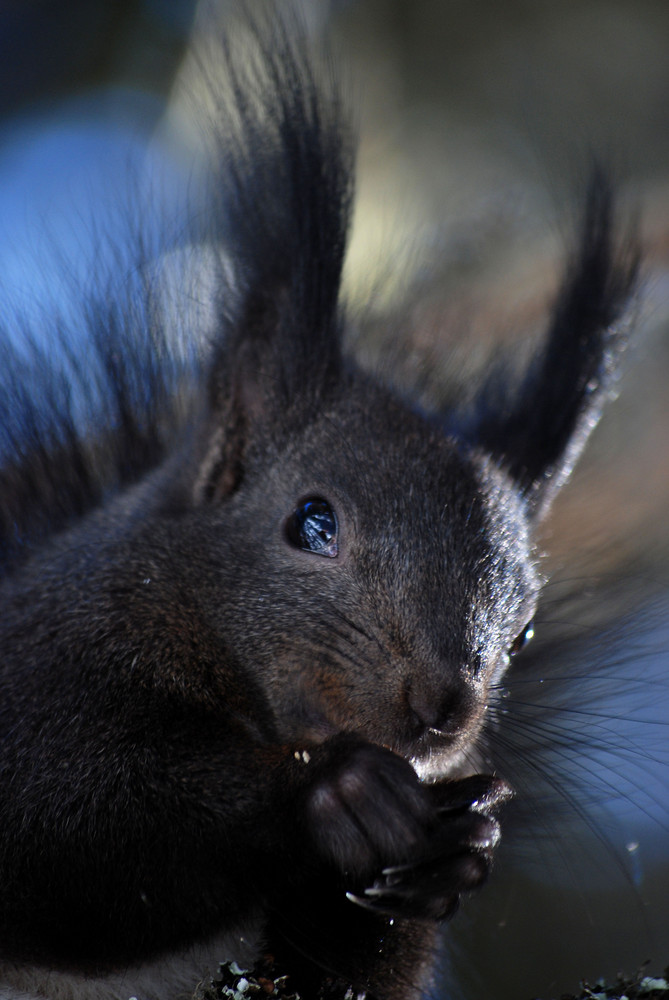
x,y
445,711
424,709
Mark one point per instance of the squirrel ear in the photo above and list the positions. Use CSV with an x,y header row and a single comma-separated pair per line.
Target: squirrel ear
x,y
539,434
269,376
283,187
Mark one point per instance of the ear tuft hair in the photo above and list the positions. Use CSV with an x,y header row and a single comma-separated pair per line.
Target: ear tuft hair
x,y
539,432
285,171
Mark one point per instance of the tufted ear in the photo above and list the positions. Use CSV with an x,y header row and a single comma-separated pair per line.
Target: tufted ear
x,y
285,167
283,190
539,433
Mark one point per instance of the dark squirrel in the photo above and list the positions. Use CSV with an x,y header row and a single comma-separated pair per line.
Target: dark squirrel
x,y
252,625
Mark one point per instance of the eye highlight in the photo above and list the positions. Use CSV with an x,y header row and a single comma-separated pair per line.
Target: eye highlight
x,y
312,527
521,639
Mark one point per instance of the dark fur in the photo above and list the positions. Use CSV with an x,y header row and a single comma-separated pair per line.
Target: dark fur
x,y
167,657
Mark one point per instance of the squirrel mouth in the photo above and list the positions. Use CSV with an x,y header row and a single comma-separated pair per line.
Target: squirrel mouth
x,y
438,755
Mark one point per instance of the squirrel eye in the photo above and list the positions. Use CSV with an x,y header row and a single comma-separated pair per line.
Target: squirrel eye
x,y
313,527
522,639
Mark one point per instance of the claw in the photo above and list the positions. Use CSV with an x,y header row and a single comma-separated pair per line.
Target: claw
x,y
397,869
360,901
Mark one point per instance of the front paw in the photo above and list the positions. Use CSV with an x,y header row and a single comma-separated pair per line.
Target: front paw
x,y
404,848
457,858
367,809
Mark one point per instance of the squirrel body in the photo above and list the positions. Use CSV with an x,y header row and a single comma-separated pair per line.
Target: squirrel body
x,y
237,629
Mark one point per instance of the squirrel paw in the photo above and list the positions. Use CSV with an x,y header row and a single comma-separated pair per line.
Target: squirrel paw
x,y
416,847
456,859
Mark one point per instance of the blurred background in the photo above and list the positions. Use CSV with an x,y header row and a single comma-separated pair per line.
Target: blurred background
x,y
477,124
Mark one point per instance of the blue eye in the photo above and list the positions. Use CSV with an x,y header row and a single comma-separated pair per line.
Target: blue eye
x,y
313,528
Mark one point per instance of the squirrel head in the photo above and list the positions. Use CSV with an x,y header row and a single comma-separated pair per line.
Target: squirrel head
x,y
368,571
369,566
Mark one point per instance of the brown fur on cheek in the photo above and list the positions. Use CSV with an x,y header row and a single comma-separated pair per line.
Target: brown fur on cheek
x,y
311,706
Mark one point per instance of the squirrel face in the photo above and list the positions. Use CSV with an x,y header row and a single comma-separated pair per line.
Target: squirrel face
x,y
400,628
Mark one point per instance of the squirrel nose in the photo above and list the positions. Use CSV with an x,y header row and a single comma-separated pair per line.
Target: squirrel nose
x,y
446,712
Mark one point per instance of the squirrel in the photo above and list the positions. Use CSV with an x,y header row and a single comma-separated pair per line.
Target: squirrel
x,y
253,620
